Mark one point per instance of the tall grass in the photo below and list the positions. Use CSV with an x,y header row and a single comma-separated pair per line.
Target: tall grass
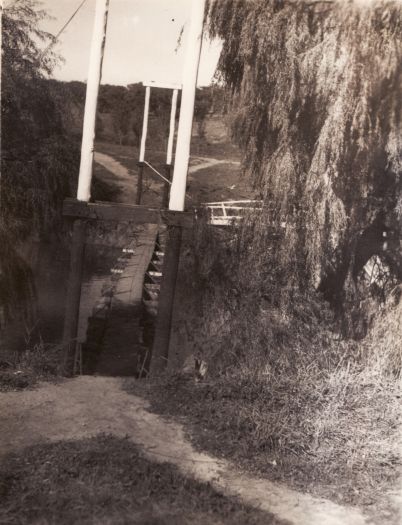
x,y
285,392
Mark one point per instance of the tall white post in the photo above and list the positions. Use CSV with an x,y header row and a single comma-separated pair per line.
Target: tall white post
x,y
172,127
91,100
145,124
1,65
190,73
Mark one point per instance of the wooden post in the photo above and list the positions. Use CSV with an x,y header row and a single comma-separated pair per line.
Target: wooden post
x,y
172,127
145,124
190,73
84,186
144,134
73,295
138,196
166,189
160,350
91,99
169,153
1,47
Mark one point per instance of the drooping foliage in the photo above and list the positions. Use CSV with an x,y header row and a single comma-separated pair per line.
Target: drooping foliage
x,y
39,159
316,108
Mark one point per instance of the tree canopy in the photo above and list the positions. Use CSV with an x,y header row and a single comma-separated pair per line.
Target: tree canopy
x,y
316,106
38,158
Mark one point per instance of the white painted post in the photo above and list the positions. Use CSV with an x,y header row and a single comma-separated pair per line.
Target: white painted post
x,y
172,127
91,100
1,55
190,73
145,124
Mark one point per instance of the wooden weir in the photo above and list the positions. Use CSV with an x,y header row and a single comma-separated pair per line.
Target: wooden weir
x,y
81,210
83,213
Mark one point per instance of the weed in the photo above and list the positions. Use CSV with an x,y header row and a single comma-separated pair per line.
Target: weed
x,y
39,362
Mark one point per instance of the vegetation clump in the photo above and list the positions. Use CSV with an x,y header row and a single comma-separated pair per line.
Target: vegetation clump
x,y
38,362
285,393
315,90
38,156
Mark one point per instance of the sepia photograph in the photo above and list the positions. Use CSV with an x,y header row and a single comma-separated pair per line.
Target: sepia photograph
x,y
201,262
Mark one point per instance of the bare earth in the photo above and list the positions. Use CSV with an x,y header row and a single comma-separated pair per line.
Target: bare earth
x,y
88,405
126,180
122,177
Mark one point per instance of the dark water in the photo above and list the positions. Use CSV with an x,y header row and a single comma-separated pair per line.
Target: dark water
x,y
41,318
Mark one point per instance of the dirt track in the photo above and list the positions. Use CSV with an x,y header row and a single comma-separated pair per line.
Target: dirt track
x,y
87,406
125,181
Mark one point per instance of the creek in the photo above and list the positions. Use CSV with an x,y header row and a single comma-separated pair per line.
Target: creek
x,y
40,315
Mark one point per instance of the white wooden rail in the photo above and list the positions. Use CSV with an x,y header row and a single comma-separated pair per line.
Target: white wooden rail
x,y
226,213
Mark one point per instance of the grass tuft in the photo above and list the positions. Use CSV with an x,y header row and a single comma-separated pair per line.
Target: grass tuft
x,y
41,362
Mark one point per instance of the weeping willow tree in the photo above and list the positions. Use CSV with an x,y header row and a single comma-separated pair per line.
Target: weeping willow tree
x,y
316,103
38,158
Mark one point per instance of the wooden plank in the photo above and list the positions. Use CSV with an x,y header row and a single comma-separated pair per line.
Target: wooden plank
x,y
108,211
140,177
160,349
73,296
177,218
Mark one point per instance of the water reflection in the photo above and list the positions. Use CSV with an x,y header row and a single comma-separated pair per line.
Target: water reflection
x,y
39,312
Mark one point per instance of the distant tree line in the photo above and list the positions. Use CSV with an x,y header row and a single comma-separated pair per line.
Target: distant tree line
x,y
120,110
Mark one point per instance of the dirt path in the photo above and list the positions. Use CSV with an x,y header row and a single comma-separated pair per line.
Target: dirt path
x,y
215,188
126,181
87,406
123,179
200,163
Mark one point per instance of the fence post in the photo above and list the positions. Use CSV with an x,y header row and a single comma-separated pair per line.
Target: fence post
x,y
73,296
190,73
166,189
138,196
91,99
160,349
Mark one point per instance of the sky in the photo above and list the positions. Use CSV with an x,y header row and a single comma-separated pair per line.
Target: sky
x,y
142,43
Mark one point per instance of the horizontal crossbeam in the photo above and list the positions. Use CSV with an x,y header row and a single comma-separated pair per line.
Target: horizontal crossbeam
x,y
229,203
107,211
163,85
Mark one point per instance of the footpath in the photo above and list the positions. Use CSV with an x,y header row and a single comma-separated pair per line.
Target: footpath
x,y
88,406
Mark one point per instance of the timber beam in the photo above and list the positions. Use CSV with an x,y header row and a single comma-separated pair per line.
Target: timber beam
x,y
107,211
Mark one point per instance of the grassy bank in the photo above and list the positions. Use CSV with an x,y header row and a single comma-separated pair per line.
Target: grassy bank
x,y
105,480
334,436
285,395
39,362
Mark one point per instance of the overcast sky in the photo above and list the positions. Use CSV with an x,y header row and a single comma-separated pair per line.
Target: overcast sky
x,y
142,41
